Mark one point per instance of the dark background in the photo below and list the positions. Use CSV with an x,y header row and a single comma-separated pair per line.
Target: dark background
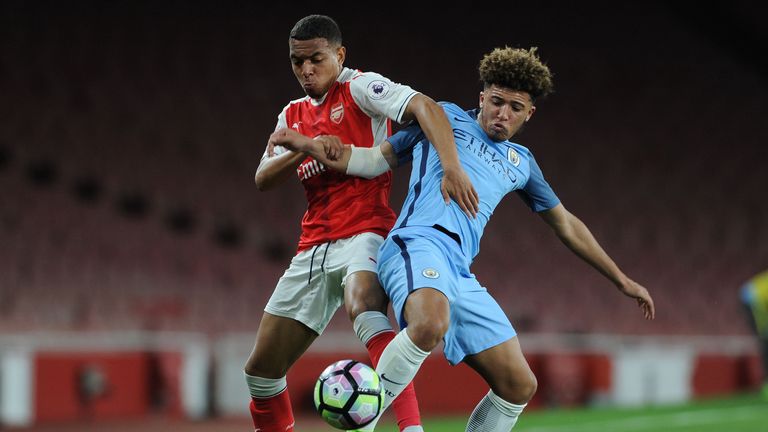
x,y
130,133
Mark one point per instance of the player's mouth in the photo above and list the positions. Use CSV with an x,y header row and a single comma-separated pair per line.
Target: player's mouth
x,y
311,88
499,127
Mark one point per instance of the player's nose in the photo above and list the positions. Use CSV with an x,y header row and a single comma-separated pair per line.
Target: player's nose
x,y
504,112
306,68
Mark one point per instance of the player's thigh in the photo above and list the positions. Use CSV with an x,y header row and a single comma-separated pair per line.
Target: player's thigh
x,y
307,292
356,257
409,263
280,341
363,292
506,371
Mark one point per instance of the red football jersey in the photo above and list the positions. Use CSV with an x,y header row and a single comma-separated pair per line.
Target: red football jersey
x,y
357,108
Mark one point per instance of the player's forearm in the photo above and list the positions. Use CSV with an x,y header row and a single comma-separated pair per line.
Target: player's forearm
x,y
437,128
316,150
580,240
273,171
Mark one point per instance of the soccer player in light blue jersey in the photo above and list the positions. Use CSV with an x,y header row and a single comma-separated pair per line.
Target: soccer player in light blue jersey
x,y
424,264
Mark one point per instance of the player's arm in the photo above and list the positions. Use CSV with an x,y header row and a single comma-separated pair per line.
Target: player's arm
x,y
331,152
276,166
438,130
577,237
274,170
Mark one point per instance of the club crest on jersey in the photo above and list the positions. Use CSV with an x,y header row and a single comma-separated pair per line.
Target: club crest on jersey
x,y
378,89
430,273
513,157
337,113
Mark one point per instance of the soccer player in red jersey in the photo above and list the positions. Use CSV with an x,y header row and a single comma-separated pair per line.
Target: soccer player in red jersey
x,y
346,220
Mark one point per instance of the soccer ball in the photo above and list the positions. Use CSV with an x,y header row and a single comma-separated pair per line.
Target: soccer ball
x,y
348,394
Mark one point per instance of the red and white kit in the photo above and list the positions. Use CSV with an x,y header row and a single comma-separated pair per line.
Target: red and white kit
x,y
347,217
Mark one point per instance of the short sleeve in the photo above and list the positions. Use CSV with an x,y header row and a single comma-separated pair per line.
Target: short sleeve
x,y
281,123
404,141
377,96
537,194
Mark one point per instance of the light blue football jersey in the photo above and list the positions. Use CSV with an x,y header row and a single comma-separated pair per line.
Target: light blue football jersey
x,y
495,169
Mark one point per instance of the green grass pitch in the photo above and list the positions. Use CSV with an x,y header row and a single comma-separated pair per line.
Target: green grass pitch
x,y
744,413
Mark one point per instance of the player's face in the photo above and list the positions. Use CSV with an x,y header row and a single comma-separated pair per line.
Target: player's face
x,y
316,64
503,111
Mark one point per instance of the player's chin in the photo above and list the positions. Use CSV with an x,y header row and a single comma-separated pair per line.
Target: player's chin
x,y
499,135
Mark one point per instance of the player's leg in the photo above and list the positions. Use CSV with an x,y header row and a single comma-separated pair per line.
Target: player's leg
x,y
403,356
279,343
512,384
300,308
482,336
366,305
425,315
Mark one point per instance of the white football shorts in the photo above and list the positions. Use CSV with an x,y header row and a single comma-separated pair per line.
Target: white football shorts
x,y
312,287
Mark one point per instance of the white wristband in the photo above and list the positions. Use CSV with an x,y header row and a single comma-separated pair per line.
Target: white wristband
x,y
367,162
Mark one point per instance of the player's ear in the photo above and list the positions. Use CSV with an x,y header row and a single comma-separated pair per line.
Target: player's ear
x,y
481,99
341,54
530,112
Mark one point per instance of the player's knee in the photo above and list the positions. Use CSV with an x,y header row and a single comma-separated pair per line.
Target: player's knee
x,y
357,305
265,368
364,298
427,333
519,390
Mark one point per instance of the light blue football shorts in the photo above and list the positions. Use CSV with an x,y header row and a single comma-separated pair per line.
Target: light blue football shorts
x,y
423,257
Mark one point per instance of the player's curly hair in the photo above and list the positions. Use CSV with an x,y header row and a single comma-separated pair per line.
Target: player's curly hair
x,y
317,26
518,69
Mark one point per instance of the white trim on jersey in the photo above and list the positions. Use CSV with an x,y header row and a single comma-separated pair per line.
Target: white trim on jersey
x,y
281,123
380,98
376,95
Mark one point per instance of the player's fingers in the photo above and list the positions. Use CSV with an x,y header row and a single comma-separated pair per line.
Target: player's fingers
x,y
475,200
651,308
647,306
463,205
472,197
467,200
446,195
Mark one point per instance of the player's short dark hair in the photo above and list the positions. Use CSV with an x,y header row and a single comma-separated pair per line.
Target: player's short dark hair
x,y
317,26
517,69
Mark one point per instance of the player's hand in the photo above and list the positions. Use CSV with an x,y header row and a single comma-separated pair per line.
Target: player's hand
x,y
288,138
644,301
456,185
332,146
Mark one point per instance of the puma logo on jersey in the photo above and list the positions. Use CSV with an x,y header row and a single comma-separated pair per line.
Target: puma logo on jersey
x,y
309,169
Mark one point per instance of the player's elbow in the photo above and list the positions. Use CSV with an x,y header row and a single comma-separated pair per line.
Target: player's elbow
x,y
423,107
262,181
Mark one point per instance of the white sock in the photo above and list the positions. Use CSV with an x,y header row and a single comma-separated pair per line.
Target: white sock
x,y
265,387
369,324
398,365
494,414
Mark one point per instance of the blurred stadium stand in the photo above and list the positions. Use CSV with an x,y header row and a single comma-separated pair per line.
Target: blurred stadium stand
x,y
129,139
